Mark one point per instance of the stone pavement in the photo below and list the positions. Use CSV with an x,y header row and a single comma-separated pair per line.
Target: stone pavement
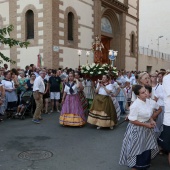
x,y
49,146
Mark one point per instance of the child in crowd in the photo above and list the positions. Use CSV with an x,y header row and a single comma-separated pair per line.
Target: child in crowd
x,y
121,97
21,107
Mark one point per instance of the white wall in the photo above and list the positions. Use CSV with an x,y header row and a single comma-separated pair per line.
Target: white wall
x,y
28,56
4,12
130,63
71,59
24,3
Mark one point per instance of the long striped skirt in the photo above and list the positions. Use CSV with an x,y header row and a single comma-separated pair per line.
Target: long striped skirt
x,y
159,123
72,113
138,143
117,107
84,102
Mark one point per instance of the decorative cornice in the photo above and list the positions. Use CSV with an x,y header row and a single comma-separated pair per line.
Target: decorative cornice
x,y
115,3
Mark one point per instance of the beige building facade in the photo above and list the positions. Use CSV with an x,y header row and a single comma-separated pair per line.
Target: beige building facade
x,y
56,29
151,60
151,64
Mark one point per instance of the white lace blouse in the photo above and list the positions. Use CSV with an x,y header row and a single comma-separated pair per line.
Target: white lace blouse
x,y
142,111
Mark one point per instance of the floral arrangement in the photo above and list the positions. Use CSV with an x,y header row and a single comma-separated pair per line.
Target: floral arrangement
x,y
98,69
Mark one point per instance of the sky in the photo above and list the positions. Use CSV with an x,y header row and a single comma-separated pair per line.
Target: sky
x,y
154,16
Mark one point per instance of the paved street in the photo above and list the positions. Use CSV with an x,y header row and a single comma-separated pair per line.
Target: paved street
x,y
69,148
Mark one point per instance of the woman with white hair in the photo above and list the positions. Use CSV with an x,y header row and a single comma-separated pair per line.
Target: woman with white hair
x,y
143,79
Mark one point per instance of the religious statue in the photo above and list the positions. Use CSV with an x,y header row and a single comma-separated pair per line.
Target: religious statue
x,y
97,48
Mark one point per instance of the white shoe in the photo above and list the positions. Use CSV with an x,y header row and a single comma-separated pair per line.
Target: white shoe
x,y
111,127
16,114
98,127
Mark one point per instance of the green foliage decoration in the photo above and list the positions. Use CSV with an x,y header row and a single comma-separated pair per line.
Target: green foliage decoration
x,y
6,40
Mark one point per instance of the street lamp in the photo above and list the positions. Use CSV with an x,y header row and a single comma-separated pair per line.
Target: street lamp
x,y
79,52
112,56
87,54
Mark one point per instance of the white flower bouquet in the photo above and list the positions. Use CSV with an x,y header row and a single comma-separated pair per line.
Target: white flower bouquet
x,y
98,69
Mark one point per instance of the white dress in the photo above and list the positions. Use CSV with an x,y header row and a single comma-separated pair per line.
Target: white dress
x,y
10,96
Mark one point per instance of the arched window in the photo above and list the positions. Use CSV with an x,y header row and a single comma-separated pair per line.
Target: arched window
x,y
106,25
132,43
70,26
29,24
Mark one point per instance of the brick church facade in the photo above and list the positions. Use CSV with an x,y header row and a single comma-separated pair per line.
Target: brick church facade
x,y
56,29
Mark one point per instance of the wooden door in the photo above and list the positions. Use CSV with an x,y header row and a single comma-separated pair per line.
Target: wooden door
x,y
106,43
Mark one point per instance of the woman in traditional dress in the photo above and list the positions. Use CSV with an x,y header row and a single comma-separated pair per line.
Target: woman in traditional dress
x,y
102,112
114,93
72,111
139,144
81,94
89,90
144,80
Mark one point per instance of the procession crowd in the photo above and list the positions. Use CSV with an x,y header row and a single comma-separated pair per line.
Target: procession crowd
x,y
101,103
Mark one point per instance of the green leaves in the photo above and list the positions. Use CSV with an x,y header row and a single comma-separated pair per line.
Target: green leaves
x,y
7,30
4,33
5,58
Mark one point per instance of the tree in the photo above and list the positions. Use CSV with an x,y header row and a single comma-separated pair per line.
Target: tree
x,y
5,32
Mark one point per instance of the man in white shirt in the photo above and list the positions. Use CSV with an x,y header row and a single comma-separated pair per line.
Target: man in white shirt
x,y
37,72
164,139
38,91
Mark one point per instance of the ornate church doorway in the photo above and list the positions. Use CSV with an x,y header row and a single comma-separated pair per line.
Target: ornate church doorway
x,y
110,36
106,43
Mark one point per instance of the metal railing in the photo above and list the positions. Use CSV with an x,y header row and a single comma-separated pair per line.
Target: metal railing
x,y
153,53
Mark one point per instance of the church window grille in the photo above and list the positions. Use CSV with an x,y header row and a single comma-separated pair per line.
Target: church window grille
x,y
29,24
70,26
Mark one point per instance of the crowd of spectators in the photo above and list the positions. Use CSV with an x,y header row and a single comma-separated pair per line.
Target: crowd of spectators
x,y
14,82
